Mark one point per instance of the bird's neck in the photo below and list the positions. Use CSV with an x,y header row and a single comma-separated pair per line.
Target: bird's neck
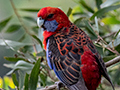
x,y
47,34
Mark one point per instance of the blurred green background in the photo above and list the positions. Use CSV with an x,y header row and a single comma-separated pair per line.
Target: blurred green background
x,y
18,40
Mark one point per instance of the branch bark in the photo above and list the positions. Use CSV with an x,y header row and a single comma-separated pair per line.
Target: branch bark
x,y
52,87
113,61
109,35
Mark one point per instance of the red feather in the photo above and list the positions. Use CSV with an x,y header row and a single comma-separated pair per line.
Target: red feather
x,y
47,34
90,70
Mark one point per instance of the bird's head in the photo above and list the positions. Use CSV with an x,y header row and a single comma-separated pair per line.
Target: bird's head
x,y
51,19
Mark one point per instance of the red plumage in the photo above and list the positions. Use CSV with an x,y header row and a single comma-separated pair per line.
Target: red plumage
x,y
46,34
70,52
90,70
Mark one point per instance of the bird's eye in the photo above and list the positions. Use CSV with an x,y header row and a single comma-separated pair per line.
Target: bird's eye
x,y
50,16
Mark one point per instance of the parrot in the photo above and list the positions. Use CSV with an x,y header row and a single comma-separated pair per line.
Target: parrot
x,y
70,52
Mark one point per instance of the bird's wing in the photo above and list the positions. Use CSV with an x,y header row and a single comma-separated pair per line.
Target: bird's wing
x,y
65,63
100,62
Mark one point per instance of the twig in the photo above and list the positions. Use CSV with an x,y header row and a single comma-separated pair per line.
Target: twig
x,y
52,87
109,48
21,22
49,74
113,61
35,50
19,17
52,79
101,39
106,45
34,47
108,35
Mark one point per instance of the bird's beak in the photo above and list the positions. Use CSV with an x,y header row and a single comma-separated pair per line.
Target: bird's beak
x,y
40,21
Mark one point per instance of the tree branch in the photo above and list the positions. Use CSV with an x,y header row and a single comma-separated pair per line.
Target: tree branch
x,y
106,36
109,35
113,61
51,87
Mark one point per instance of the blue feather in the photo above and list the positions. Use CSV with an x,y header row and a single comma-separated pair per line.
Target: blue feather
x,y
48,56
60,75
51,26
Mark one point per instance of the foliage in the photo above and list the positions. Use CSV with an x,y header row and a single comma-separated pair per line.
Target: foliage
x,y
100,20
6,82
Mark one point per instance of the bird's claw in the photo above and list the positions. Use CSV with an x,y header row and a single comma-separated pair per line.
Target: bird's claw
x,y
59,85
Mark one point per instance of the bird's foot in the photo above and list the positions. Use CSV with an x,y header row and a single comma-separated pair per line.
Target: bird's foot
x,y
59,84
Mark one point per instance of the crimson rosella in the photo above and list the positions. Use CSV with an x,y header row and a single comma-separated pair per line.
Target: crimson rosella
x,y
70,52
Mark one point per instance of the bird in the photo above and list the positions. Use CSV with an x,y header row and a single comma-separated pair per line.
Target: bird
x,y
70,51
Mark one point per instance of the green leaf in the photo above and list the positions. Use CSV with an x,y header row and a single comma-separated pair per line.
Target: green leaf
x,y
34,75
43,79
118,48
21,65
26,82
82,14
41,54
40,42
107,58
108,3
26,49
116,75
115,43
110,20
13,28
4,23
31,10
30,57
69,12
15,80
78,21
21,79
45,66
98,3
13,59
13,43
96,24
35,29
90,28
102,11
117,34
99,48
10,88
86,6
22,38
30,18
10,66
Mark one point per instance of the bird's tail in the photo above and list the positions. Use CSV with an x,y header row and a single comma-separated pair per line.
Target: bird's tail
x,y
78,86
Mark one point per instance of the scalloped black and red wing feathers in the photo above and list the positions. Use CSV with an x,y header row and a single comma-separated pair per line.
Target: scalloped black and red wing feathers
x,y
73,56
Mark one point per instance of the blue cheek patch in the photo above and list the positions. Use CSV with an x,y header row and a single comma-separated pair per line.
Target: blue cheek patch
x,y
51,25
